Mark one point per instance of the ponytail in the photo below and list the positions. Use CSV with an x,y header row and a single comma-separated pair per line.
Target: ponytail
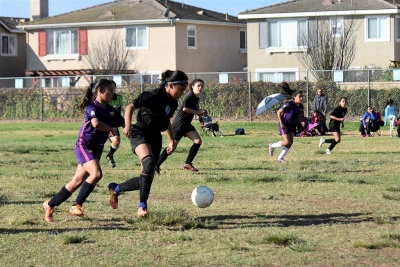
x,y
91,92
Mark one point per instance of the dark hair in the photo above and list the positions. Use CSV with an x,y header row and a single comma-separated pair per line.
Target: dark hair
x,y
176,77
296,93
390,101
91,92
340,98
194,82
285,89
112,81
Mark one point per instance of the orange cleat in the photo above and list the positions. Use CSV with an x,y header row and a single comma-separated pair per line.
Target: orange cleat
x,y
48,212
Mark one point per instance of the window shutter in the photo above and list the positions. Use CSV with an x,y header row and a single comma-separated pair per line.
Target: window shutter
x,y
83,42
263,35
42,44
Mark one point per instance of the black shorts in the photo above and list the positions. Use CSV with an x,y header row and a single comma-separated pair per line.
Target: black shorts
x,y
141,136
334,129
180,131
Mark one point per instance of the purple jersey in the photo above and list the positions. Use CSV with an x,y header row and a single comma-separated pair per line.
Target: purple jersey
x,y
90,136
292,112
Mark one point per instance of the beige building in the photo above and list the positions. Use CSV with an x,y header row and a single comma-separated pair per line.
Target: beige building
x,y
162,35
12,48
274,34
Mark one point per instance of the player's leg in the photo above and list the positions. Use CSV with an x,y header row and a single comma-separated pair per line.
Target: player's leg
x,y
195,137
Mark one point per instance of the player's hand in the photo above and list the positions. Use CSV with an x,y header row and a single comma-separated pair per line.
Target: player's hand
x,y
113,132
171,147
127,131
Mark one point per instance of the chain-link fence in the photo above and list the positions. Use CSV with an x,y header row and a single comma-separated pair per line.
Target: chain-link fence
x,y
230,95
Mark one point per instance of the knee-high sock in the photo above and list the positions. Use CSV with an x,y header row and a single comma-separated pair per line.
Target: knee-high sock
x,y
283,153
277,144
85,191
163,156
60,197
332,142
112,150
130,185
192,152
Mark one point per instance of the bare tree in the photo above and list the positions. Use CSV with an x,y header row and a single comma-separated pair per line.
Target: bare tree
x,y
107,55
330,45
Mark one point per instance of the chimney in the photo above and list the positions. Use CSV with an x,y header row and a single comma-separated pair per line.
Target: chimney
x,y
39,9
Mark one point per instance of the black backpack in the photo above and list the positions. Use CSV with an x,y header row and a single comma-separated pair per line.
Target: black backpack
x,y
239,131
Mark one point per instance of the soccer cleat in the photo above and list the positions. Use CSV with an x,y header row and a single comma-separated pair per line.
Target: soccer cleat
x,y
363,135
270,149
368,135
190,167
111,161
321,141
48,212
142,212
281,160
327,151
113,195
76,210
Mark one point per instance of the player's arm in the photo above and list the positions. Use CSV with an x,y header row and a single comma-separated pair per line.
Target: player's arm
x,y
172,144
128,119
280,115
101,126
194,111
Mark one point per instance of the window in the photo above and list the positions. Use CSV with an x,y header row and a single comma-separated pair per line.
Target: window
x,y
278,75
397,29
191,37
137,37
8,45
274,35
62,42
377,28
52,82
337,27
243,39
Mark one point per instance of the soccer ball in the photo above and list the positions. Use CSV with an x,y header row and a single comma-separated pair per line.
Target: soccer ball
x,y
202,196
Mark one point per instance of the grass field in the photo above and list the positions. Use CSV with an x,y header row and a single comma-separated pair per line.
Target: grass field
x,y
317,210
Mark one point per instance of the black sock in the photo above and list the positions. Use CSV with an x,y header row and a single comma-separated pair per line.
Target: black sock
x,y
60,197
163,156
333,144
192,153
130,185
112,151
85,191
145,186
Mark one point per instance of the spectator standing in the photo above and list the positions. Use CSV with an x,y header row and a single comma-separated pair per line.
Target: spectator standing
x,y
320,104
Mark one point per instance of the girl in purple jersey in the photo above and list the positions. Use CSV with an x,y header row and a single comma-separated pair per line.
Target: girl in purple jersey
x,y
288,115
100,120
156,108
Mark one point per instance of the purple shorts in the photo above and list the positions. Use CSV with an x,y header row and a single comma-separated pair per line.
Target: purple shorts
x,y
289,128
84,153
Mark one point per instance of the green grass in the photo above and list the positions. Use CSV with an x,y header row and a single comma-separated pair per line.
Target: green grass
x,y
316,210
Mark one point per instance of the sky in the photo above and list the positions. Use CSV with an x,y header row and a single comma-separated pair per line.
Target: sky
x,y
21,8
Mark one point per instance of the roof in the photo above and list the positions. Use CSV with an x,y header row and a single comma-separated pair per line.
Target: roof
x,y
40,73
296,6
11,23
125,10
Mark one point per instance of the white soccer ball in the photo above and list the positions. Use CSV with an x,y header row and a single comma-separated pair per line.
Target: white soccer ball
x,y
202,196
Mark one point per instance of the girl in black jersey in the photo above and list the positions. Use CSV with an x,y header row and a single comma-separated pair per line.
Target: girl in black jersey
x,y
181,126
336,118
156,108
